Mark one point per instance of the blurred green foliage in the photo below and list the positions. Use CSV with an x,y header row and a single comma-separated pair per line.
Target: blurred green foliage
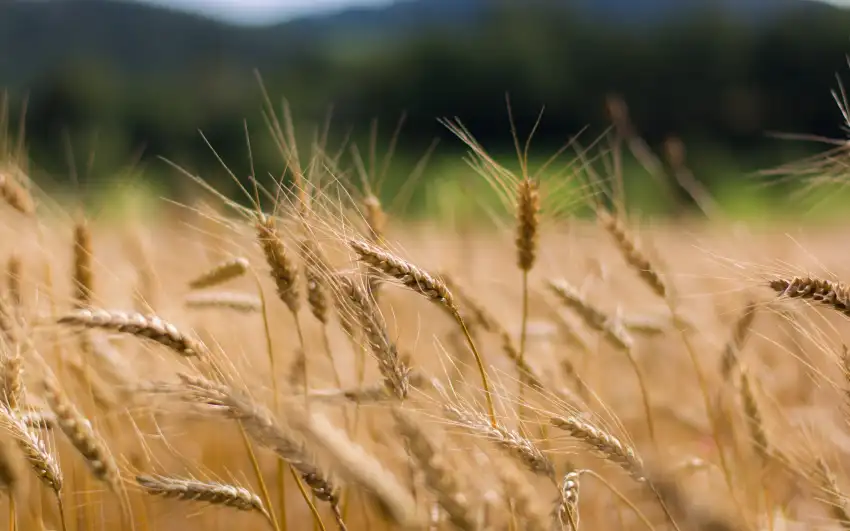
x,y
139,83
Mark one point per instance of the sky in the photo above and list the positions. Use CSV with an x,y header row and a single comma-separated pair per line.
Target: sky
x,y
264,11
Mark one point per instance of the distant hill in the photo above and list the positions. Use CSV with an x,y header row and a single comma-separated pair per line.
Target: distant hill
x,y
129,36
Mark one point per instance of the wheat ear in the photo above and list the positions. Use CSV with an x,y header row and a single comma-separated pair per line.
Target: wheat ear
x,y
220,273
731,351
605,444
837,500
146,326
633,256
79,431
187,489
433,289
262,427
371,321
827,292
231,300
13,378
566,511
752,411
315,272
37,456
14,194
282,268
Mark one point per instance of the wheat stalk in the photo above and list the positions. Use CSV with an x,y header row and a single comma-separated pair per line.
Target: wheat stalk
x,y
150,327
14,274
752,411
731,351
220,273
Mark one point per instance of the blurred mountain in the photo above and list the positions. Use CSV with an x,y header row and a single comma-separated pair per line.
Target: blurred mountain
x,y
40,35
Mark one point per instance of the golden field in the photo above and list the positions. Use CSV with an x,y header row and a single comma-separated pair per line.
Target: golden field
x,y
325,377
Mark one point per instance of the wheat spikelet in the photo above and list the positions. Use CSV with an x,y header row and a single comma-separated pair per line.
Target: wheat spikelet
x,y
147,326
362,468
755,425
411,276
283,270
35,452
439,475
315,272
604,443
220,273
14,194
611,328
367,315
528,221
827,292
262,427
511,441
14,274
13,379
83,271
231,300
566,512
835,497
633,256
187,489
730,359
79,431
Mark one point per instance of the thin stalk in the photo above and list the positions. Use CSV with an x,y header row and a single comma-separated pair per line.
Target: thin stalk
x,y
523,335
281,472
644,393
491,409
644,520
313,509
260,481
61,512
329,353
296,317
13,518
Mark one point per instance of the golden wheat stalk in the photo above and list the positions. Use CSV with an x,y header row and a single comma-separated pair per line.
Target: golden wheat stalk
x,y
220,273
14,276
188,489
231,300
440,477
149,327
79,431
605,444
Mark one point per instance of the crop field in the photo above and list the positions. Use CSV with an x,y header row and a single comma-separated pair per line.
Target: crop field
x,y
296,357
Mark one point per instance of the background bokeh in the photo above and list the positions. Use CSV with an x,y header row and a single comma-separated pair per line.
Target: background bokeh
x,y
133,82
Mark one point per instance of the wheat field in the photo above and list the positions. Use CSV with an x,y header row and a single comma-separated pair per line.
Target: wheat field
x,y
298,358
